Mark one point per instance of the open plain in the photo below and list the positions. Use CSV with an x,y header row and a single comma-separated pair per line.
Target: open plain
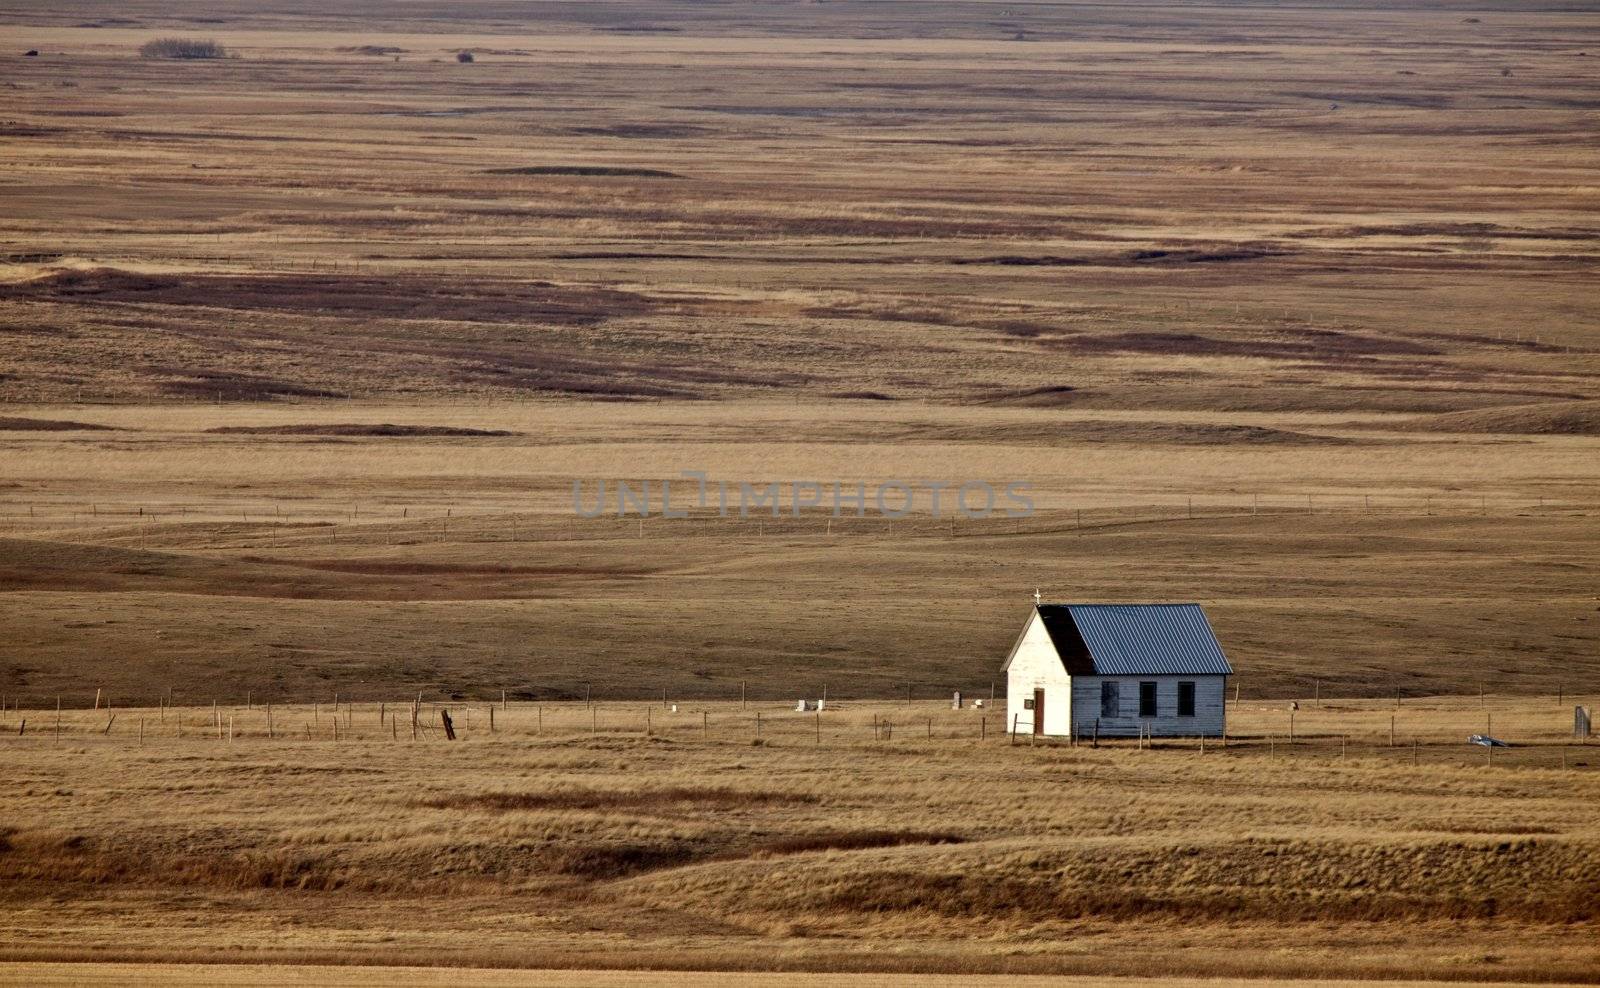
x,y
1284,309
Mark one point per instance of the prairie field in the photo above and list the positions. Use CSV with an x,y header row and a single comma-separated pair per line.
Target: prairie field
x,y
312,353
870,836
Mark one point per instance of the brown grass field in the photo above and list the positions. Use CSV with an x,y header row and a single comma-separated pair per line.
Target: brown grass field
x,y
724,837
1285,309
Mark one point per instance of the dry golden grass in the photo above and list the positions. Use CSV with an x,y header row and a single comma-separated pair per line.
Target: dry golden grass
x,y
169,555
1340,207
360,977
707,838
1287,310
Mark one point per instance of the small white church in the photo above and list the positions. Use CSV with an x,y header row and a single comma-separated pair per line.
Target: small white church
x,y
1116,670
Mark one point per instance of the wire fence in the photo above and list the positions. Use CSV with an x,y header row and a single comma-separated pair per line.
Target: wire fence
x,y
1431,732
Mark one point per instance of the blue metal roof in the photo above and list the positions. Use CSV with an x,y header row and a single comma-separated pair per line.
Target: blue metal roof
x,y
1149,640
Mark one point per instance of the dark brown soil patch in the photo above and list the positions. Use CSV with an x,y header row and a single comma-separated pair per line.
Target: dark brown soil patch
x,y
357,429
398,297
14,424
1051,396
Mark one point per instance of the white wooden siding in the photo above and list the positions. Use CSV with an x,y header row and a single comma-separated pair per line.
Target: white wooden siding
x,y
1209,711
1035,665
